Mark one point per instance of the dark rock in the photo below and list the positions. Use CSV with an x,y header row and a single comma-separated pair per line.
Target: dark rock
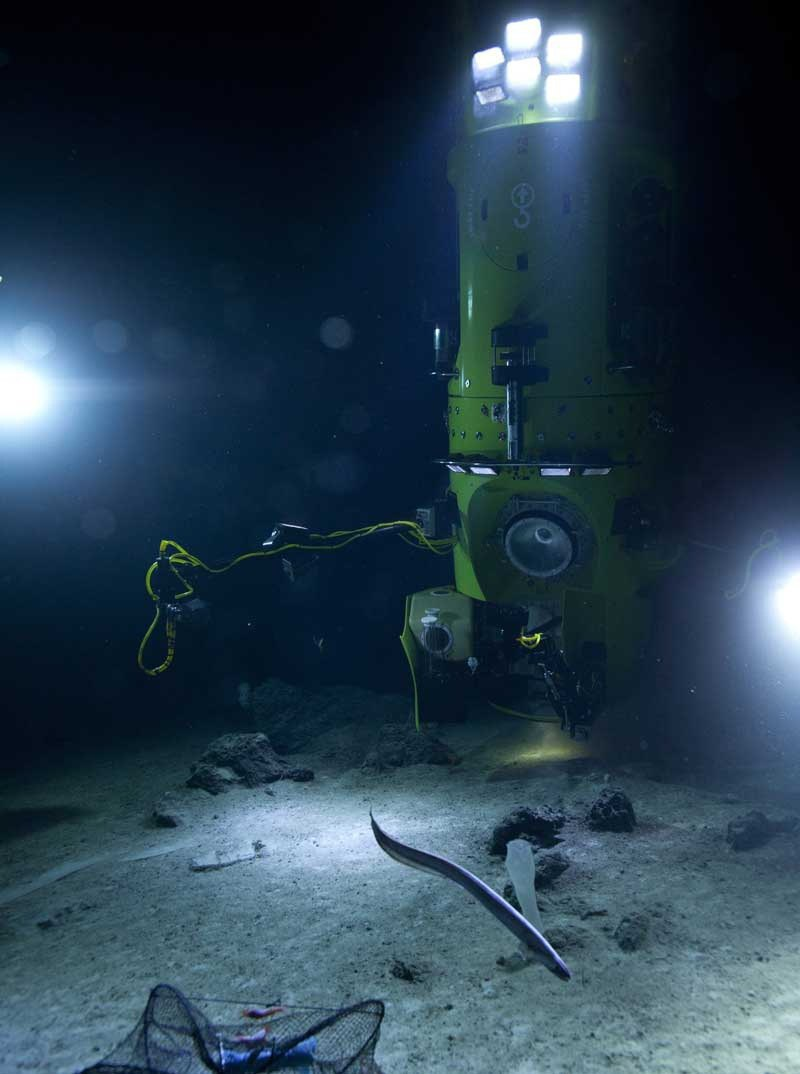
x,y
593,911
748,831
404,972
631,932
788,824
400,744
612,812
211,778
539,826
549,867
244,759
166,811
60,917
755,828
567,937
295,717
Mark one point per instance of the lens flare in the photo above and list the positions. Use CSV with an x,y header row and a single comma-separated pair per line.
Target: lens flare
x,y
23,394
787,603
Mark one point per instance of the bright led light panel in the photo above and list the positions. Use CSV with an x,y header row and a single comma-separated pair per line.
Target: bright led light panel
x,y
562,89
484,63
787,601
523,74
22,393
564,50
523,36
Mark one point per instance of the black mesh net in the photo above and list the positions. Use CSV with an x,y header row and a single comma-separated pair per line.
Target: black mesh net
x,y
178,1035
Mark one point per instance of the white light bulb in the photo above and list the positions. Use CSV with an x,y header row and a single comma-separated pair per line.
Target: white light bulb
x,y
523,36
483,63
787,603
562,89
22,394
564,50
523,74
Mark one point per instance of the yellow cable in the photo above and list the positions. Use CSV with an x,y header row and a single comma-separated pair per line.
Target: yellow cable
x,y
768,539
170,631
530,641
526,715
178,556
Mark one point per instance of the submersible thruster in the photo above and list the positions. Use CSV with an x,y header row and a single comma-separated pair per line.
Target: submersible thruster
x,y
560,445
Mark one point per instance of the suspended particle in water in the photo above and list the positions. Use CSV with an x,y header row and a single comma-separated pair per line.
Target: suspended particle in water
x,y
336,333
36,339
98,523
110,337
340,473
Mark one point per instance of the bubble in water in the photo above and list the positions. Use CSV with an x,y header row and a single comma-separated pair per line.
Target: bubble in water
x,y
110,337
99,523
355,419
336,333
170,345
36,340
340,473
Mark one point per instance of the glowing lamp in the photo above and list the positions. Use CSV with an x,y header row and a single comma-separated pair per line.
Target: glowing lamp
x,y
23,394
787,603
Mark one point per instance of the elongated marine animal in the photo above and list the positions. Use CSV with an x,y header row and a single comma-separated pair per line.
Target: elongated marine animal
x,y
534,945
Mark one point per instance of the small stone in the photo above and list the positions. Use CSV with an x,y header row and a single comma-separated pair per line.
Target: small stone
x,y
400,744
221,859
540,826
612,812
549,867
593,911
243,759
631,932
404,972
755,828
166,811
748,831
212,778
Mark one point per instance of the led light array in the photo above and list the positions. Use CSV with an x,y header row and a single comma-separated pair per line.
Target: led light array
x,y
485,470
499,73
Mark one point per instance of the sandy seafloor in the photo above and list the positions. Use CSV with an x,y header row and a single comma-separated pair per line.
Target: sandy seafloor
x,y
321,914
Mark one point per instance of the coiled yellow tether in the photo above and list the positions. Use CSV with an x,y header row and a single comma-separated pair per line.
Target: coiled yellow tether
x,y
174,556
530,641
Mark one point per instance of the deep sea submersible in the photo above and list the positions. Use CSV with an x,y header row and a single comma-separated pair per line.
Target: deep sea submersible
x,y
559,427
560,445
